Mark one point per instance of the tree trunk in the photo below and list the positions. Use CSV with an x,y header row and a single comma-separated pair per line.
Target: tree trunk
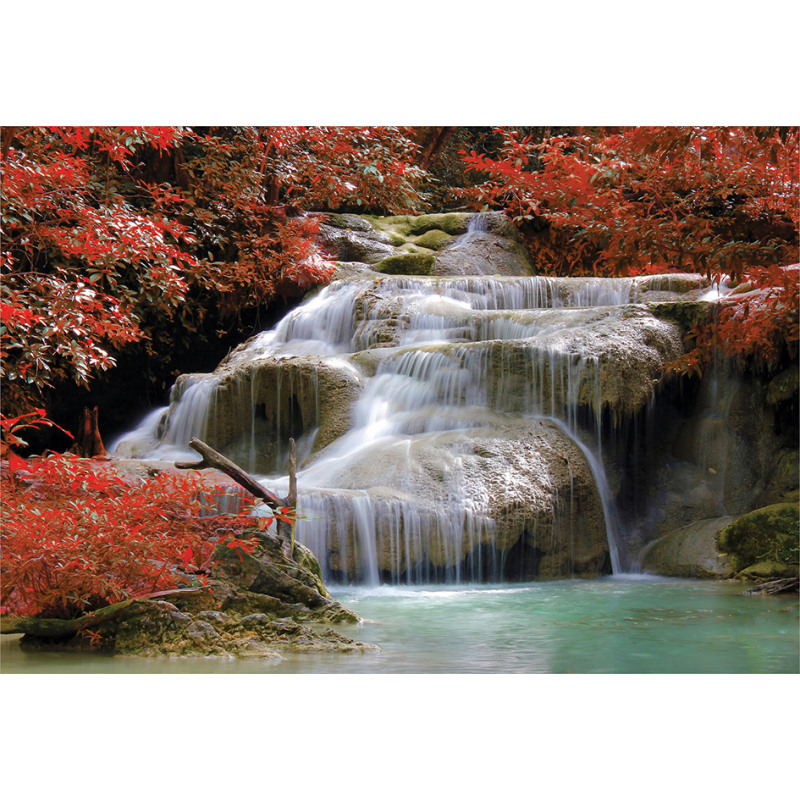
x,y
435,141
88,442
8,134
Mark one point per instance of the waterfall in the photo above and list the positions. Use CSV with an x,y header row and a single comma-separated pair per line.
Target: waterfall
x,y
446,381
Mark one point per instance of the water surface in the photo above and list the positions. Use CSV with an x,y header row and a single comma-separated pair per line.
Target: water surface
x,y
624,624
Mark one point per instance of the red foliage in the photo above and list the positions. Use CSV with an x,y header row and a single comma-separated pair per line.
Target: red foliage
x,y
76,537
754,326
721,201
109,233
11,427
81,259
255,250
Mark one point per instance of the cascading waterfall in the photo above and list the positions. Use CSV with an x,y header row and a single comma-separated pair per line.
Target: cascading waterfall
x,y
436,368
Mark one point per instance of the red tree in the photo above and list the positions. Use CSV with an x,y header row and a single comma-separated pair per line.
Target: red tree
x,y
723,201
118,235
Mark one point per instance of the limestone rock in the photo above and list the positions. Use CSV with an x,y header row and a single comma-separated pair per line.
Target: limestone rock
x,y
436,505
484,253
689,552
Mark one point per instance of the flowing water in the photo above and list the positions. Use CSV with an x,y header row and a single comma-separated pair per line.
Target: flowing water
x,y
437,361
626,624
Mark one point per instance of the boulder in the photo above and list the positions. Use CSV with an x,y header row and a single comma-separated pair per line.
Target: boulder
x,y
263,603
689,552
760,545
521,489
406,264
769,535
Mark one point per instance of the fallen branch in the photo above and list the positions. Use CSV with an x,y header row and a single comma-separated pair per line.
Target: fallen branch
x,y
780,586
214,460
62,628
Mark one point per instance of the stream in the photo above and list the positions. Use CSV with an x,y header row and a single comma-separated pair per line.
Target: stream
x,y
622,624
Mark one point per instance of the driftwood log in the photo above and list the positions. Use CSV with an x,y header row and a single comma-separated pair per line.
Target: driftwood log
x,y
780,586
63,628
214,460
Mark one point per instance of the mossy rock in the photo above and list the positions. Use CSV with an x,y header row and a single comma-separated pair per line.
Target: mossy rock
x,y
689,552
434,240
766,534
768,570
308,561
399,225
683,313
454,224
783,386
407,264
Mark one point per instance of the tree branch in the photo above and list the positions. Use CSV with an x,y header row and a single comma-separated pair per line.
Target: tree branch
x,y
214,460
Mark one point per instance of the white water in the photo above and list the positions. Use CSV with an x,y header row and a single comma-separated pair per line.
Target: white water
x,y
437,377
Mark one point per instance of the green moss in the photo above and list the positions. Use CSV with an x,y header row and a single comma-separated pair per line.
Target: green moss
x,y
396,239
684,314
406,264
768,570
434,240
766,534
400,225
336,221
454,224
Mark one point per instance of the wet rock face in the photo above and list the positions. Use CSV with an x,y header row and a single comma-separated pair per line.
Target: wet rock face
x,y
711,453
258,406
484,253
523,488
430,244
